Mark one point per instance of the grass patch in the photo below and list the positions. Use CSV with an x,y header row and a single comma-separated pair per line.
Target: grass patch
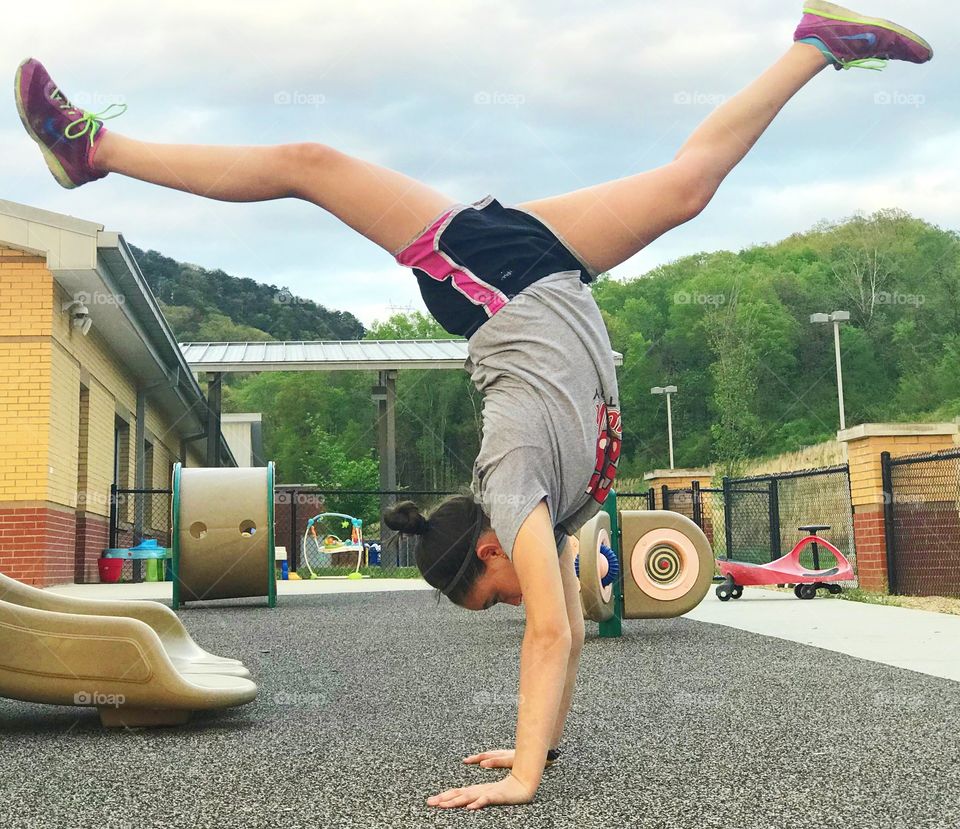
x,y
855,594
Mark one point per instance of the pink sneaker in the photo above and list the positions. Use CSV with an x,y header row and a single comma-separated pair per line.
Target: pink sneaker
x,y
852,40
68,136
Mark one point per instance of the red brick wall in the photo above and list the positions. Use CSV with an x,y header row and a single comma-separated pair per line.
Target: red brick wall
x,y
93,537
927,561
37,544
871,547
308,505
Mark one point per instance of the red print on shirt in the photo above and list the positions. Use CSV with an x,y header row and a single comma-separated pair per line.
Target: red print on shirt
x,y
609,439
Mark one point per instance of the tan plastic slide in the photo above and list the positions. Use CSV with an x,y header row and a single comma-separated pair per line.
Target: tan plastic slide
x,y
133,661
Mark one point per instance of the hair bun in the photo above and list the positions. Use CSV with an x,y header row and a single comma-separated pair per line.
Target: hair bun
x,y
405,517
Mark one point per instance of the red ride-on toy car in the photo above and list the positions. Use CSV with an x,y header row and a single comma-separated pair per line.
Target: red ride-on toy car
x,y
787,570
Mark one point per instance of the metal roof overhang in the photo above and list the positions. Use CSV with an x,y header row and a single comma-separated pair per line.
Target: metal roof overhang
x,y
329,355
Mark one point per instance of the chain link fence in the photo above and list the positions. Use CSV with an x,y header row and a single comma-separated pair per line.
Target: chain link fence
x,y
761,514
388,553
751,519
138,514
756,519
922,516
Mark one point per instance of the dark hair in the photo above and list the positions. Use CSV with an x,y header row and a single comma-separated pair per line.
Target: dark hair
x,y
445,551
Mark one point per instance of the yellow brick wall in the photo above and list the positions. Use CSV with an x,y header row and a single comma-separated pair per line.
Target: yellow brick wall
x,y
25,295
161,466
166,445
26,299
673,482
63,445
116,387
83,444
42,361
866,475
100,449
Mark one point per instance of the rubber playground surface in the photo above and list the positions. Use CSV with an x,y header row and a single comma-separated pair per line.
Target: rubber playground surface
x,y
368,702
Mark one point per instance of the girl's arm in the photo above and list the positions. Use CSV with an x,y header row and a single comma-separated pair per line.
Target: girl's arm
x,y
504,758
571,595
544,661
547,645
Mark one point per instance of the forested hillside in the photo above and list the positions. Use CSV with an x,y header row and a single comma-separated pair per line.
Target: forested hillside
x,y
755,377
203,305
731,330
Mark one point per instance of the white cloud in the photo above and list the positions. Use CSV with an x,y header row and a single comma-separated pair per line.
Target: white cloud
x,y
578,94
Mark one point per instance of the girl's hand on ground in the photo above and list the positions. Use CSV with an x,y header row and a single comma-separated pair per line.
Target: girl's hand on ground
x,y
506,792
501,758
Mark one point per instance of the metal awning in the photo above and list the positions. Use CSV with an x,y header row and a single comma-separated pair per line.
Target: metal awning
x,y
329,355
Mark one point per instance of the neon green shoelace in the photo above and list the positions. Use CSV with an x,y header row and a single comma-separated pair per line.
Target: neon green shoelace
x,y
89,123
877,64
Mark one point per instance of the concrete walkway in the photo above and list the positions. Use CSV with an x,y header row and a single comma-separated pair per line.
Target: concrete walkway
x,y
917,640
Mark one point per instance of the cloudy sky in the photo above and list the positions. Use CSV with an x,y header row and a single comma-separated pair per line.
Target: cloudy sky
x,y
520,99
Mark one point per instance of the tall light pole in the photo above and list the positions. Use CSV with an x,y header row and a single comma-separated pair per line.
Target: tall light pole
x,y
667,390
836,318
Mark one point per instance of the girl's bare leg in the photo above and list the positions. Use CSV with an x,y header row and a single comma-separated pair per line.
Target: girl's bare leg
x,y
608,223
387,207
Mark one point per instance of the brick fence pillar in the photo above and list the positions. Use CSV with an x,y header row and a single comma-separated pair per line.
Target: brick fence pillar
x,y
864,445
683,479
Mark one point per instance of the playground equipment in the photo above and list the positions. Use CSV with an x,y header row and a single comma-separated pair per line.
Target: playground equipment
x,y
664,571
319,546
134,661
788,570
148,550
222,534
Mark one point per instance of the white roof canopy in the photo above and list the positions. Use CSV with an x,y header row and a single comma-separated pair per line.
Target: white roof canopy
x,y
329,355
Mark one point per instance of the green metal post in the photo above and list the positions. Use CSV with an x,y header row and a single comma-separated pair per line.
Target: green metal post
x,y
175,535
612,628
271,544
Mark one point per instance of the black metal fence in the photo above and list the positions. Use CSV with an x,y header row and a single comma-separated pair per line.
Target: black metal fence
x,y
636,500
749,519
756,518
922,518
296,505
762,513
136,514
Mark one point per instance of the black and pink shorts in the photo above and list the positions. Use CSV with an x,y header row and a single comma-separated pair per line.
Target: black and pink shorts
x,y
473,259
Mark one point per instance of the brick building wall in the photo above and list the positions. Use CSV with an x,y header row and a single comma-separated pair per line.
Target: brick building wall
x,y
864,446
60,393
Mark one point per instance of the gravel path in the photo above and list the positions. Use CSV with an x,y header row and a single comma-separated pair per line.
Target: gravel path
x,y
677,724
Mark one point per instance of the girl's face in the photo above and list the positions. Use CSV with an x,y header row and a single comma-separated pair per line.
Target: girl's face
x,y
498,583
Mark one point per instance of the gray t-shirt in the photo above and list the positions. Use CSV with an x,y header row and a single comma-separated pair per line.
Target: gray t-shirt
x,y
551,417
